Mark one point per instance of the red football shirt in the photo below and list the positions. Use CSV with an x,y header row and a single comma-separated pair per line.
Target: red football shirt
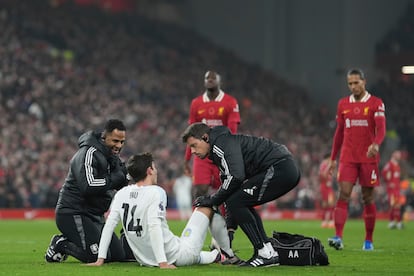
x,y
359,124
392,174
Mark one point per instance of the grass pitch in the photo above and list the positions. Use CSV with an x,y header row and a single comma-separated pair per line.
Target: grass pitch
x,y
23,245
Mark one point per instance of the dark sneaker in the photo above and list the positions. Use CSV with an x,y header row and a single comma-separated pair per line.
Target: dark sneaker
x,y
218,257
336,242
52,255
231,261
259,261
226,259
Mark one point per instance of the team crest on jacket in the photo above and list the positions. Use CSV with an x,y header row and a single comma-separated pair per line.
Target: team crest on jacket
x,y
187,232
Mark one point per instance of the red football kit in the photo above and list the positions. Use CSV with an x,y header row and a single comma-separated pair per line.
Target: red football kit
x,y
392,176
325,180
223,110
359,124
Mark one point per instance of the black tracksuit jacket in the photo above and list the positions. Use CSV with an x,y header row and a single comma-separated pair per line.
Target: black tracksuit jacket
x,y
93,175
240,157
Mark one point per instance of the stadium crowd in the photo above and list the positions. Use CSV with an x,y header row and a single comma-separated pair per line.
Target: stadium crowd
x,y
61,74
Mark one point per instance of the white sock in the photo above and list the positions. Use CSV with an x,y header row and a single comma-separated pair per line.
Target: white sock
x,y
218,230
208,257
202,222
271,249
267,251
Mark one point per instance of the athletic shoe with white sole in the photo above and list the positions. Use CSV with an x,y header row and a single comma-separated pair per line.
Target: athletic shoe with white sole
x,y
259,261
368,246
52,255
336,242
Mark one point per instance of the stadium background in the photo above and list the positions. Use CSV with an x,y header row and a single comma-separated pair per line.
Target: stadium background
x,y
66,66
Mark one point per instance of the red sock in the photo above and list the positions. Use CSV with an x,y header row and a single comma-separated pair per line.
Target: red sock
x,y
397,214
370,213
324,213
340,216
391,214
331,213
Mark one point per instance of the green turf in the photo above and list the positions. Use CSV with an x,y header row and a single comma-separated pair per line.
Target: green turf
x,y
23,244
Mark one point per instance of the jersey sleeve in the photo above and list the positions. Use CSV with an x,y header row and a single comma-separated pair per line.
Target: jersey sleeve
x,y
379,117
87,174
191,119
386,172
234,115
232,170
156,212
110,225
187,154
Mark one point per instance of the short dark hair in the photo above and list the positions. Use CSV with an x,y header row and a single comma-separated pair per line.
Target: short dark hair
x,y
112,124
356,71
138,164
196,130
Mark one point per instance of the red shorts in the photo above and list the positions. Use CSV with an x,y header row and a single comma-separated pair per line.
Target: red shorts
x,y
367,174
327,194
205,172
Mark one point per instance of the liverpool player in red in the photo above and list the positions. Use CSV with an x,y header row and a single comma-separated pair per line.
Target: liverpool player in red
x,y
327,193
359,133
215,108
391,174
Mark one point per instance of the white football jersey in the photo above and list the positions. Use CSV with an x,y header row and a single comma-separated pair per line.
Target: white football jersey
x,y
142,210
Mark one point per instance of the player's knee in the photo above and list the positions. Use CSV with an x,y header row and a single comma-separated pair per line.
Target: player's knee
x,y
206,211
200,190
344,196
368,199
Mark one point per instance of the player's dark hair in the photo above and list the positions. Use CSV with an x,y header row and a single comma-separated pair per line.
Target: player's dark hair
x,y
112,124
196,130
138,164
356,71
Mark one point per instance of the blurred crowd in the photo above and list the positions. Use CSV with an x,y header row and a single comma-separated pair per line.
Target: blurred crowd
x,y
65,70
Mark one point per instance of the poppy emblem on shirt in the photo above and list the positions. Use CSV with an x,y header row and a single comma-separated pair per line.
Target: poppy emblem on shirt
x,y
357,110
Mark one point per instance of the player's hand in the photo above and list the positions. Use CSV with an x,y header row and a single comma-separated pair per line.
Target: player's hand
x,y
99,262
203,201
331,166
165,265
373,150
